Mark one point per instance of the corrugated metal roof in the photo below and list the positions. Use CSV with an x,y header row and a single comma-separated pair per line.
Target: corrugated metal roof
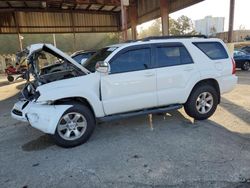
x,y
63,16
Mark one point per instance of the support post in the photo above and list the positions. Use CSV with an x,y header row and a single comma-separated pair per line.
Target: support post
x,y
231,21
164,6
74,46
124,21
54,39
74,32
20,41
133,20
18,31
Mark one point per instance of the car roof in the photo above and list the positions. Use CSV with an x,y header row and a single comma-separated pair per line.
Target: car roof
x,y
153,41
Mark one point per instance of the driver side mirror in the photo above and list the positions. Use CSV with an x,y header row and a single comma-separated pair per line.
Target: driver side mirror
x,y
102,67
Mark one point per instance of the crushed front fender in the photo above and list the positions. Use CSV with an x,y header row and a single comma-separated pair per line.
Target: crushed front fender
x,y
41,116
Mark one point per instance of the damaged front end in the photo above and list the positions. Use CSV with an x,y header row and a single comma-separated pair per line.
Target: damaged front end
x,y
47,64
27,109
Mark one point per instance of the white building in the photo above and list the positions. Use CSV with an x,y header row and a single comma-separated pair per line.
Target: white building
x,y
210,25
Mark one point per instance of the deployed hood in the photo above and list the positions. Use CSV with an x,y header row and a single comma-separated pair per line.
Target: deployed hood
x,y
30,50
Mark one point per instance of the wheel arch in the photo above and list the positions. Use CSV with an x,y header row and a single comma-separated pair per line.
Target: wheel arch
x,y
209,81
80,100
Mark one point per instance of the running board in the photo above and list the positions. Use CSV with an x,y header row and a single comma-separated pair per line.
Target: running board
x,y
138,113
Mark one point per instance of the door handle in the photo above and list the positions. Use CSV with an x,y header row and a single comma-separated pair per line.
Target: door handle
x,y
148,74
188,68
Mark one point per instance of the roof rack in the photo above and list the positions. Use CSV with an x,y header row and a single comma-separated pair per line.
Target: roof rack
x,y
129,41
173,37
167,37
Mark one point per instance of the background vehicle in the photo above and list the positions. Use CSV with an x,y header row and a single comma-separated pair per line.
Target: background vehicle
x,y
156,74
242,60
246,49
80,57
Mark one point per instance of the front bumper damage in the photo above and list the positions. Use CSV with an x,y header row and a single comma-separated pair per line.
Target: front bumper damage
x,y
40,116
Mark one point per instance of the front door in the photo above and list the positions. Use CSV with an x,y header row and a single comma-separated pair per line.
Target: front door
x,y
131,83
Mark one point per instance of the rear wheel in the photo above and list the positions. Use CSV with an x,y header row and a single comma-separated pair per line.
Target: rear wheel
x,y
74,127
202,102
246,66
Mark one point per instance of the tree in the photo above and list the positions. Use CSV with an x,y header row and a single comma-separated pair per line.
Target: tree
x,y
153,30
182,26
242,27
213,31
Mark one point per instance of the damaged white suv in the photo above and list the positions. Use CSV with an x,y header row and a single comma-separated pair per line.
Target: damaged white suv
x,y
156,74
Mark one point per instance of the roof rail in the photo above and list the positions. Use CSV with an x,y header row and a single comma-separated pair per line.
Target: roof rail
x,y
129,41
173,37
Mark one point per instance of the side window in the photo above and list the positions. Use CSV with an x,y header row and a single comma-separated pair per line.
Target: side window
x,y
172,55
132,60
78,58
214,50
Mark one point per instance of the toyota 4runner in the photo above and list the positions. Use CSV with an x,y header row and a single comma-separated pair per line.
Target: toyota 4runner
x,y
153,75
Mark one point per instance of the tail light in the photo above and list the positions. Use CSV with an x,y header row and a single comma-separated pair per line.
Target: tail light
x,y
234,66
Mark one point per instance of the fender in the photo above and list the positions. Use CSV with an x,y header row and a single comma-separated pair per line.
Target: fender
x,y
86,87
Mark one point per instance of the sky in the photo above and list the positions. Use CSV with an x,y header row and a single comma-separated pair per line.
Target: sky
x,y
218,8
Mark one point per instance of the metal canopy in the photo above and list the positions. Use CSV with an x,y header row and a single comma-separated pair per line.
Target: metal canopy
x,y
76,16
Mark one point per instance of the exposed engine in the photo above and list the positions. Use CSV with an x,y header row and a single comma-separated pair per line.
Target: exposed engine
x,y
36,76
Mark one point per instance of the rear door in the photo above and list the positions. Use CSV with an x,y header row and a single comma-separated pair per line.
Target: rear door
x,y
175,69
131,84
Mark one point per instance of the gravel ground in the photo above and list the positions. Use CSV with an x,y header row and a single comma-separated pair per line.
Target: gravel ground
x,y
168,150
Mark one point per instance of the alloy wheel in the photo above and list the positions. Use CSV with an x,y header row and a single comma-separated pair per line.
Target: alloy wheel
x,y
72,126
204,102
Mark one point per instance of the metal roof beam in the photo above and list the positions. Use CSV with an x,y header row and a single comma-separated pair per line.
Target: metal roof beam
x,y
100,2
57,10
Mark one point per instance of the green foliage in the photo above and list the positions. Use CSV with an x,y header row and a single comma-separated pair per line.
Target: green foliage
x,y
65,42
182,26
152,30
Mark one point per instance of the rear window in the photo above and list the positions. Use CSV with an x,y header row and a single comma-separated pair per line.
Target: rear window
x,y
214,50
172,56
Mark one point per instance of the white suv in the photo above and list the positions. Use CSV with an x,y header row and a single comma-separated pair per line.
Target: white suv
x,y
156,74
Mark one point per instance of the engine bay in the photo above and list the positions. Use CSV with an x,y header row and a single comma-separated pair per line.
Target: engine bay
x,y
46,64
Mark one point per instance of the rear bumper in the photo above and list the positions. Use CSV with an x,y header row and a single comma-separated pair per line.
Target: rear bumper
x,y
227,83
40,116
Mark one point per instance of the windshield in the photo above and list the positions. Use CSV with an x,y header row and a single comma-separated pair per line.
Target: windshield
x,y
100,55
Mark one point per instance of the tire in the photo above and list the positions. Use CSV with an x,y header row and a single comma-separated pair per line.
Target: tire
x,y
195,104
70,131
246,66
10,78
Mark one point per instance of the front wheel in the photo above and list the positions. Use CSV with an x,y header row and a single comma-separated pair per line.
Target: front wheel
x,y
246,66
74,127
202,102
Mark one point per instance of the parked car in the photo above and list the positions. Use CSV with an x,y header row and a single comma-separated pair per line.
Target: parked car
x,y
246,49
242,60
79,56
82,56
149,76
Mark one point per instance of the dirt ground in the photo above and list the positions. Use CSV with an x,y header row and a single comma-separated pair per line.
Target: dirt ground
x,y
171,151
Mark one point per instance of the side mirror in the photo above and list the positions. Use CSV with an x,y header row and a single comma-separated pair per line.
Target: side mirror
x,y
102,67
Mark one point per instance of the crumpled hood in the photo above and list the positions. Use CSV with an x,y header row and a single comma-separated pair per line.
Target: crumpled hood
x,y
49,47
